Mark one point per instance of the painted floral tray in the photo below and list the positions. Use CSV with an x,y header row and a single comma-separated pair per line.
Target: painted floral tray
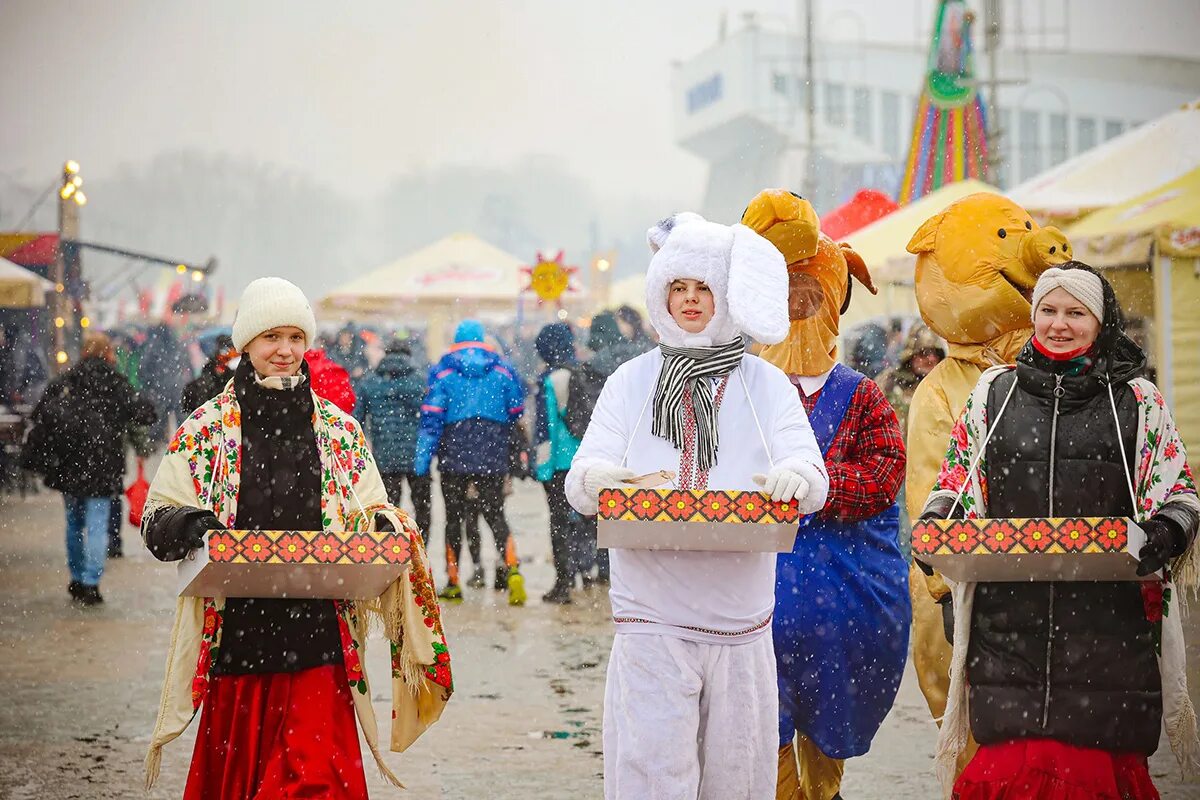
x,y
300,564
710,519
1034,549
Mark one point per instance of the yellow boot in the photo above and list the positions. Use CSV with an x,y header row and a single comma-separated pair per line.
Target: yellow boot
x,y
516,587
820,775
788,785
807,774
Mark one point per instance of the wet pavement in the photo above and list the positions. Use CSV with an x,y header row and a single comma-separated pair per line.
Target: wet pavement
x,y
79,688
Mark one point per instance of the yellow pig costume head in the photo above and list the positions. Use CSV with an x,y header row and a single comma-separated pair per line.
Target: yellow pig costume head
x,y
977,263
819,272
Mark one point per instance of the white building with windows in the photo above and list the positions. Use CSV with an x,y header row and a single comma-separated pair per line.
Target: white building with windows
x,y
741,105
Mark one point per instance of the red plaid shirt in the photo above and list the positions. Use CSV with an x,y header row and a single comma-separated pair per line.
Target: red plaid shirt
x,y
866,460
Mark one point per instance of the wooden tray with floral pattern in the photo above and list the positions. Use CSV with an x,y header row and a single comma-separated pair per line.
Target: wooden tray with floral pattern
x,y
299,564
723,520
1035,549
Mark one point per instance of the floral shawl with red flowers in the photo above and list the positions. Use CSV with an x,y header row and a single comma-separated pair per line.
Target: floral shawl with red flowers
x,y
202,469
1161,475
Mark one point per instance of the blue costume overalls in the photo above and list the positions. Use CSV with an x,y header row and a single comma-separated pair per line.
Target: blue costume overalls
x,y
842,613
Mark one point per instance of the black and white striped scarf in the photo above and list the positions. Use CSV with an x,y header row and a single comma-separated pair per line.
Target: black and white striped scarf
x,y
683,367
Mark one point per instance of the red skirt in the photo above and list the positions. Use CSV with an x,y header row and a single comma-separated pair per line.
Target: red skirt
x,y
277,736
1045,769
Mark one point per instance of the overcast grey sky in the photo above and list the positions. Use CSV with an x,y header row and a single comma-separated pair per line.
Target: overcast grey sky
x,y
355,93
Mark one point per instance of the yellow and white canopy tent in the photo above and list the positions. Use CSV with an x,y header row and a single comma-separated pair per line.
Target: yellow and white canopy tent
x,y
21,288
454,278
883,246
629,291
1129,165
1150,248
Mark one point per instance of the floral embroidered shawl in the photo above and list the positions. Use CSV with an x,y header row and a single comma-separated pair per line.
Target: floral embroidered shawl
x,y
1161,474
202,468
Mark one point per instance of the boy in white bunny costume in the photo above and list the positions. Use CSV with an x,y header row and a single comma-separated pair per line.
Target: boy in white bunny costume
x,y
691,704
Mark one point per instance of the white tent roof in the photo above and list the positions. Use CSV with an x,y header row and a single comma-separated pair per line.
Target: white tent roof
x,y
1127,166
459,267
629,291
20,287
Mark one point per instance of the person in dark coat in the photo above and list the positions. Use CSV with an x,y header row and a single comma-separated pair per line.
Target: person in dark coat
x,y
611,348
634,329
554,448
389,408
350,351
163,370
213,376
77,444
1066,688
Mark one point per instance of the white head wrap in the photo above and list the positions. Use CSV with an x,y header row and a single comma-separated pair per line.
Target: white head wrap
x,y
1079,283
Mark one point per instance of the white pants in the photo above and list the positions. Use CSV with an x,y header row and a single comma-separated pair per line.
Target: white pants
x,y
690,721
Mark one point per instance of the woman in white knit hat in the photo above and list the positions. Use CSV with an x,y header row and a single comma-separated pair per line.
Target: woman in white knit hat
x,y
1067,685
280,680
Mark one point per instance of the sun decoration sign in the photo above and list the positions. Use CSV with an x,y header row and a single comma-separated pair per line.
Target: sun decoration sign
x,y
549,278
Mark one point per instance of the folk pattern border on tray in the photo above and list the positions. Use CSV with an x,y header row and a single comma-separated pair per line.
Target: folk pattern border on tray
x,y
308,547
1020,536
694,505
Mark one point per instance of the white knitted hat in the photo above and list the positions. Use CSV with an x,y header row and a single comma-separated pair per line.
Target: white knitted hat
x,y
1079,283
272,303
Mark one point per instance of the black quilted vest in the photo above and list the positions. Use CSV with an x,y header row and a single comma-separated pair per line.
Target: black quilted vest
x,y
1072,661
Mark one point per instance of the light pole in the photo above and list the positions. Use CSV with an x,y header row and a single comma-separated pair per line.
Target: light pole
x,y
66,265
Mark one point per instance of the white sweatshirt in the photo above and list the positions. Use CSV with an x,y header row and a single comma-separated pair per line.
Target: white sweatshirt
x,y
702,596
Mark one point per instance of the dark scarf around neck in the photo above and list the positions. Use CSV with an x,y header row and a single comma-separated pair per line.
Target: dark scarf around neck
x,y
683,368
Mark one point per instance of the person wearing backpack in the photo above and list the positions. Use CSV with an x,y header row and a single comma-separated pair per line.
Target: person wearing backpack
x,y
473,401
555,447
77,444
610,349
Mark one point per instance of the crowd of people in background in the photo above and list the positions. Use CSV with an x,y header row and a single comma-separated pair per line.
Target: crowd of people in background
x,y
494,408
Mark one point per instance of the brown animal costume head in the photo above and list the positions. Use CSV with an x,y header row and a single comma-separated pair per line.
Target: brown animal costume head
x,y
977,263
819,272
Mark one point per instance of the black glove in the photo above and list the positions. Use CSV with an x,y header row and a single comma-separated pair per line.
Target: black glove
x,y
1165,540
172,533
947,604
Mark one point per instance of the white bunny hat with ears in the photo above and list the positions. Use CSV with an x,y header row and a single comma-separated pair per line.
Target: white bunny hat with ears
x,y
746,273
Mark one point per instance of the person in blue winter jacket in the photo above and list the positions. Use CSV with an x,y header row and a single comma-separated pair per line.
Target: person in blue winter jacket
x,y
473,402
389,408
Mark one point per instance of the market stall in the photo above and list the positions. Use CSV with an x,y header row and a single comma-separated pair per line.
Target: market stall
x,y
1124,167
859,211
454,278
1149,247
21,288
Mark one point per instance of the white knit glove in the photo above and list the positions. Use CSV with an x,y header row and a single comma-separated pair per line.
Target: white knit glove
x,y
604,476
784,485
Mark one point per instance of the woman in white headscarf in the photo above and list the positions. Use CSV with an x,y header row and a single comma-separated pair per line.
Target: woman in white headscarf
x,y
1066,684
691,701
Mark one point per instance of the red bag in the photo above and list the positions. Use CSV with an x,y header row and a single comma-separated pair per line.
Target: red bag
x,y
136,494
